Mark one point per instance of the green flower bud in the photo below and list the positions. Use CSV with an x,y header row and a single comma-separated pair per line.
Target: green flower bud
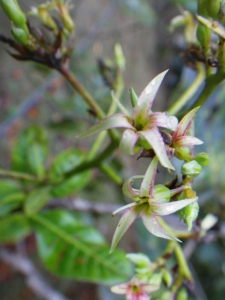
x,y
42,13
133,97
119,57
212,8
202,158
189,214
139,259
65,16
167,277
203,35
13,12
191,168
182,294
183,153
161,193
177,22
156,279
202,10
165,296
20,35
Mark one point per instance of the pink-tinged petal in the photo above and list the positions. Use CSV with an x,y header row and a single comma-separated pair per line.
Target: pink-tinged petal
x,y
154,138
128,141
185,123
152,225
137,296
147,184
146,99
126,220
128,191
117,120
124,207
186,141
120,289
161,120
163,209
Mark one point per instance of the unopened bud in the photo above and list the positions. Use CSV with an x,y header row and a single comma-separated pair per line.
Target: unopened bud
x,y
42,13
191,168
65,16
177,22
165,295
189,214
203,35
161,192
133,97
167,277
139,259
13,12
20,35
183,153
182,294
202,158
156,279
212,8
119,57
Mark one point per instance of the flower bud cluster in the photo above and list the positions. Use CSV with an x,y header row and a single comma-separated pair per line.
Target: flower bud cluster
x,y
18,20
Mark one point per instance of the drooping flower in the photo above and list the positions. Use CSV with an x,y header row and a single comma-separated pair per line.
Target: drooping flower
x,y
135,289
142,126
150,202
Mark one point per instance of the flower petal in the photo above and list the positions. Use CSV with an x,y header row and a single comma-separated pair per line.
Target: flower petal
x,y
128,141
116,120
161,120
149,179
120,288
163,209
128,191
185,123
146,99
186,141
126,220
152,225
123,207
154,138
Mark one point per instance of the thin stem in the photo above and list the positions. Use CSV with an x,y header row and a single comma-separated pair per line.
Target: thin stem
x,y
190,91
215,79
183,267
211,83
105,168
18,176
160,262
82,91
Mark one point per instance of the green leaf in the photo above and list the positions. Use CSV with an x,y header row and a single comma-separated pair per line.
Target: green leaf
x,y
14,228
30,151
65,162
10,197
36,200
73,250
